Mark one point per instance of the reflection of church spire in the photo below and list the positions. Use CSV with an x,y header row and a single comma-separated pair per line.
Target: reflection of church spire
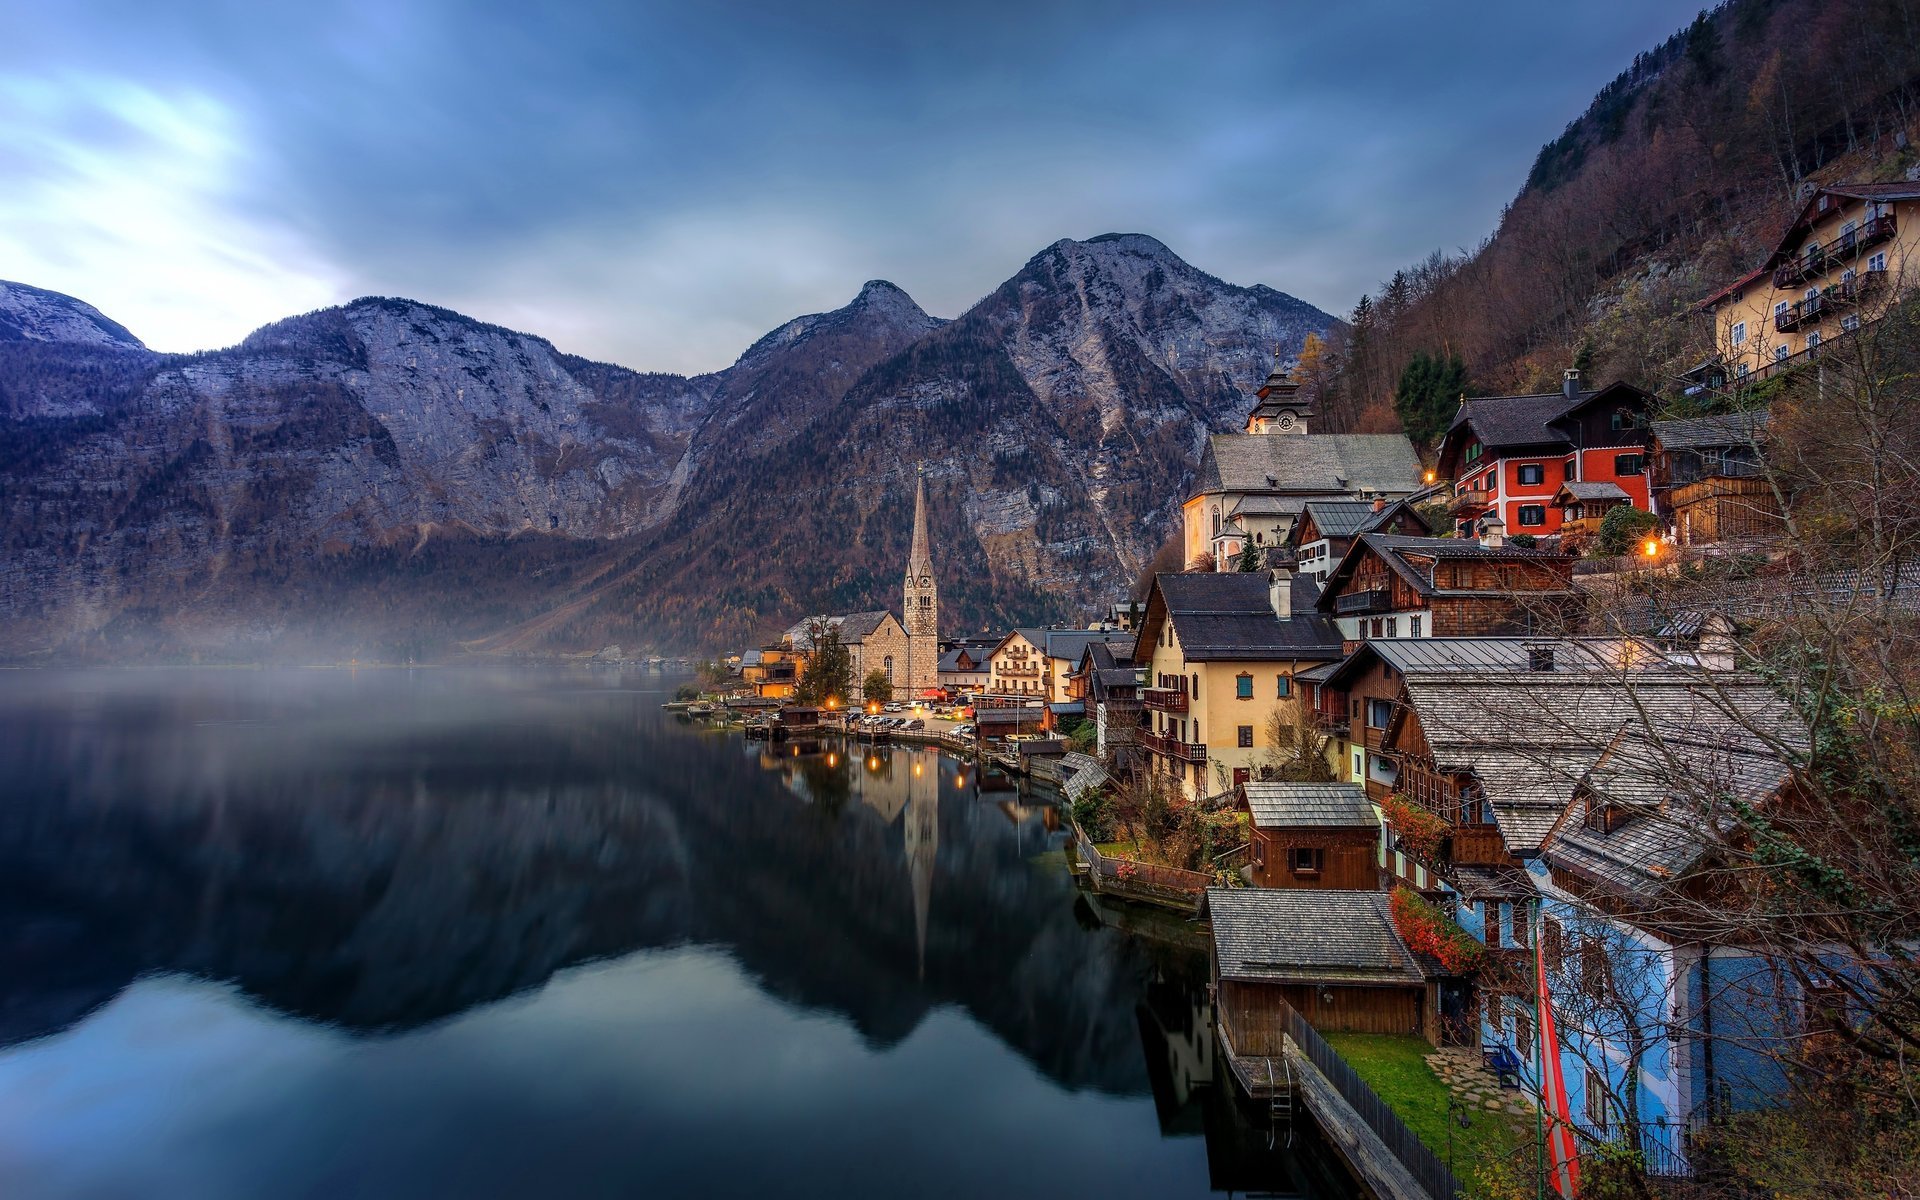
x,y
923,843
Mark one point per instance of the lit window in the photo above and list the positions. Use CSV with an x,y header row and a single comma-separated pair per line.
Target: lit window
x,y
1533,514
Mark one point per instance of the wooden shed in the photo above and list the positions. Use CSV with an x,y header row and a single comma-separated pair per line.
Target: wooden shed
x,y
1313,835
1334,956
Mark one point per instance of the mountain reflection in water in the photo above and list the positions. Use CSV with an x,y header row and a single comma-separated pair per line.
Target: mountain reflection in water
x,y
472,933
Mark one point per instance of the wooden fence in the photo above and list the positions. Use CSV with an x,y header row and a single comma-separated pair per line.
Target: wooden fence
x,y
1422,1163
1149,883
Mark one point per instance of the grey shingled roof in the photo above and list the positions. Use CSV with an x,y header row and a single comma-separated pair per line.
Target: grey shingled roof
x,y
1501,421
1324,464
1707,433
1588,489
1268,506
1396,549
1228,615
854,627
1532,738
1292,805
1308,936
1070,644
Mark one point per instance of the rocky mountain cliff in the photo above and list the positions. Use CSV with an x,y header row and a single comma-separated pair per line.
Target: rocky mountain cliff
x,y
387,478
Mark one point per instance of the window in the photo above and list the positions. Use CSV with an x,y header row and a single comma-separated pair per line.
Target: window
x,y
1196,686
1243,686
1781,353
1813,340
1306,860
889,666
1216,521
1473,452
1517,925
1848,227
1628,464
1531,474
1596,1099
1847,275
1878,262
1393,626
1741,371
1379,712
1812,294
1413,626
1245,736
1626,418
1283,686
1780,308
1738,334
1533,514
1850,322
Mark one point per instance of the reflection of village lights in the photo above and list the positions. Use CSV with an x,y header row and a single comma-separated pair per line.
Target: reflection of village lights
x,y
796,752
833,760
833,702
873,764
917,769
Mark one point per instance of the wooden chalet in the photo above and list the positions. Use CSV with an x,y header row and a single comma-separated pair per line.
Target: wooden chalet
x,y
1583,505
1393,586
1709,479
1326,529
1332,956
1313,835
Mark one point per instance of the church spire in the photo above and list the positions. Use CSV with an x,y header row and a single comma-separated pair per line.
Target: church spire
x,y
920,553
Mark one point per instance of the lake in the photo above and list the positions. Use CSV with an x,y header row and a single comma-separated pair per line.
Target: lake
x,y
481,933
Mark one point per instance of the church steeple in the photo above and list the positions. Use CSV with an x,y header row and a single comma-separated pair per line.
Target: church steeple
x,y
1279,407
920,601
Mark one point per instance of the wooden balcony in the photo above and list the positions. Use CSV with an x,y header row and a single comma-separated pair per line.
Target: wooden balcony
x,y
1369,600
1166,700
1193,752
1834,253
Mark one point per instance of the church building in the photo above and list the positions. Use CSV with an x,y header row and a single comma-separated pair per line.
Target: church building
x,y
1253,486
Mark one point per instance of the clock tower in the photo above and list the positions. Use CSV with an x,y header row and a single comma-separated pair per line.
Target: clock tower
x,y
1280,407
920,603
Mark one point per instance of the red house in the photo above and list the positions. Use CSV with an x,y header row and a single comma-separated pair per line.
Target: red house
x,y
1510,455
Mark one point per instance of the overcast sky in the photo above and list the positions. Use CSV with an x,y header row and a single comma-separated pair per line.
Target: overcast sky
x,y
658,185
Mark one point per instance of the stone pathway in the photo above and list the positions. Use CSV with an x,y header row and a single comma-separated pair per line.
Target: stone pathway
x,y
1468,1078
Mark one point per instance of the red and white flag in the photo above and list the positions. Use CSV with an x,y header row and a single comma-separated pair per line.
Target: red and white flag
x,y
1563,1154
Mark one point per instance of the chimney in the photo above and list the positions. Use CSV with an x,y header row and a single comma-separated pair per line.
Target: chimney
x,y
1493,531
1379,504
1280,593
1570,383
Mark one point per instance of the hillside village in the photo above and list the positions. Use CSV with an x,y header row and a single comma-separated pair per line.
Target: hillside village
x,y
1477,740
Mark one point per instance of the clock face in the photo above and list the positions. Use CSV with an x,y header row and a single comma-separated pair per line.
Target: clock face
x,y
926,581
1285,421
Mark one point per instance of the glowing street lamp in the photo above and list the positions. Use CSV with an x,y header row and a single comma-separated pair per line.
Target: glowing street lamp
x,y
1651,548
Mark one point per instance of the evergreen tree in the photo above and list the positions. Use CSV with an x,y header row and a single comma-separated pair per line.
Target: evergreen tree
x,y
1249,559
1428,395
829,674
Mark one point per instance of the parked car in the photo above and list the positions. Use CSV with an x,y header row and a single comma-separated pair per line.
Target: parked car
x,y
916,724
895,708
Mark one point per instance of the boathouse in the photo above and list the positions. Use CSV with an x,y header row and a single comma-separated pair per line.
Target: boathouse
x,y
1332,956
1313,835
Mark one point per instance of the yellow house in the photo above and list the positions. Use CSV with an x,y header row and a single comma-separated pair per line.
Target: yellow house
x,y
1221,650
1842,260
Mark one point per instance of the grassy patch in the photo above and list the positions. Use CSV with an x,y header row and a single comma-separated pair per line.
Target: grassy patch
x,y
1491,1147
1119,849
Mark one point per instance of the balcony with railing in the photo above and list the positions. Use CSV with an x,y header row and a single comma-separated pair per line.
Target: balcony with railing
x,y
1166,700
1169,747
1822,259
1367,600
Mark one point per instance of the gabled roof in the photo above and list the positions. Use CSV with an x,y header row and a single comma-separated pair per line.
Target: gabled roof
x,y
1710,433
1790,234
1280,935
1398,550
1321,805
854,627
1316,464
1070,644
950,661
1584,490
1228,615
1511,423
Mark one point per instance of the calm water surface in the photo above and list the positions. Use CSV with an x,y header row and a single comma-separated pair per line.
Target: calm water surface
x,y
475,934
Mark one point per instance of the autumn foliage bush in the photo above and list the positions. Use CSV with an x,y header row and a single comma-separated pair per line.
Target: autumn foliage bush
x,y
1427,930
1417,831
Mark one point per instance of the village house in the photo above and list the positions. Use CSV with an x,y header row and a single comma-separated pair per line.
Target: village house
x,y
1107,682
1709,478
1509,456
1313,835
1326,529
1220,652
1333,957
1252,486
773,672
1519,775
1843,259
1392,586
963,669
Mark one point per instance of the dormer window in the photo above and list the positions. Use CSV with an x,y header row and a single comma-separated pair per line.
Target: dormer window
x,y
1604,817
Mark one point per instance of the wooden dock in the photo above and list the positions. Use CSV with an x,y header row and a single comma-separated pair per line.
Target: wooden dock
x,y
1260,1076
